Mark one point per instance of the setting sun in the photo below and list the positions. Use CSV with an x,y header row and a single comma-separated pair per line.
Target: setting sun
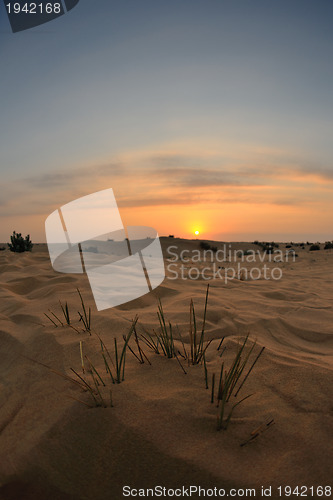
x,y
196,232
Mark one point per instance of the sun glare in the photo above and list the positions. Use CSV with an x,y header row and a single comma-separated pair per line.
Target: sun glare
x,y
196,232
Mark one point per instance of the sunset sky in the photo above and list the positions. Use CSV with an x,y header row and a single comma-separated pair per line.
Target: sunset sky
x,y
209,115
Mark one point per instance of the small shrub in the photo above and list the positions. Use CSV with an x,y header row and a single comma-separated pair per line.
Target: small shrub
x,y
267,247
314,247
20,244
204,245
328,245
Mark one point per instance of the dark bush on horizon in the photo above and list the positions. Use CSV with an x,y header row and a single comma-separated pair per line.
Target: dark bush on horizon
x,y
266,247
314,247
328,245
19,244
206,246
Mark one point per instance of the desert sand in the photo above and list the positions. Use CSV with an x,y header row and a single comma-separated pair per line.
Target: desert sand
x,y
161,429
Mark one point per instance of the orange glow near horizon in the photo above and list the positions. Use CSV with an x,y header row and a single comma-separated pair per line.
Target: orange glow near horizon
x,y
230,204
225,221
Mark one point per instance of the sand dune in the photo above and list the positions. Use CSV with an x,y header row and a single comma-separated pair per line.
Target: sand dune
x,y
162,428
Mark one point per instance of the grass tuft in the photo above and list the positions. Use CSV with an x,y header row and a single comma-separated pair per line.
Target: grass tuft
x,y
65,311
164,340
85,316
197,339
115,365
229,380
140,355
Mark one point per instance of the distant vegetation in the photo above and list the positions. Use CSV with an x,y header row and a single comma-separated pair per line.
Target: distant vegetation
x,y
206,246
328,245
295,245
314,247
267,247
20,244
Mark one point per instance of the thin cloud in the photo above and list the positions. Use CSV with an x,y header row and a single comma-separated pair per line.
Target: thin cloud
x,y
173,179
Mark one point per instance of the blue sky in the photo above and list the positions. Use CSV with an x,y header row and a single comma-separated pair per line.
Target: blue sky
x,y
176,105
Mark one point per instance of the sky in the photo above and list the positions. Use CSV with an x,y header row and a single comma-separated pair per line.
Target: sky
x,y
207,115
